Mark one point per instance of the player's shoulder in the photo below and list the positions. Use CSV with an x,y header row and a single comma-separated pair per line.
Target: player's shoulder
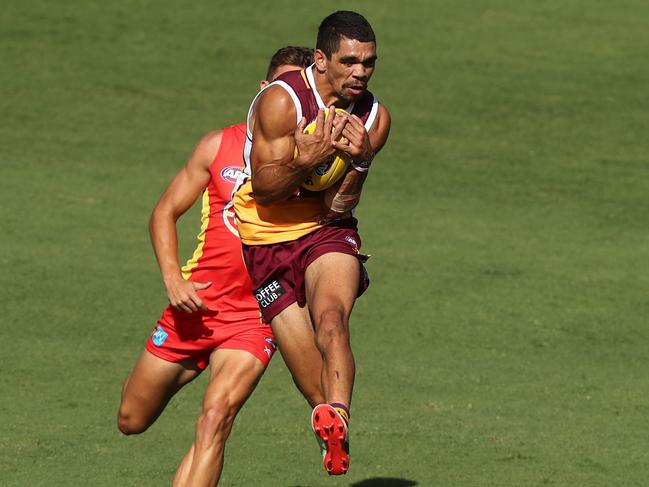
x,y
370,99
233,133
275,95
287,86
275,110
381,127
296,79
290,76
384,114
210,142
369,107
206,148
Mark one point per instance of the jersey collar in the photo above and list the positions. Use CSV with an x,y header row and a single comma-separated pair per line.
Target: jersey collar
x,y
318,98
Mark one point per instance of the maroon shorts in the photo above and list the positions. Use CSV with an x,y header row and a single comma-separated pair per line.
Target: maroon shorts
x,y
277,270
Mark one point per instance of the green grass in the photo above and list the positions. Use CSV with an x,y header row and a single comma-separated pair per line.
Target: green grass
x,y
503,341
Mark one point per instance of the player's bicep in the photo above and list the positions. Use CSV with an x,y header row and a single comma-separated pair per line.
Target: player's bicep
x,y
274,125
181,193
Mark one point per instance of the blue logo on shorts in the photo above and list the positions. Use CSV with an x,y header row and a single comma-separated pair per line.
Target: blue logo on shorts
x,y
159,336
271,342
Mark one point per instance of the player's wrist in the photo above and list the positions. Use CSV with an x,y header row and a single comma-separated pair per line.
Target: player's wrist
x,y
300,165
362,164
171,277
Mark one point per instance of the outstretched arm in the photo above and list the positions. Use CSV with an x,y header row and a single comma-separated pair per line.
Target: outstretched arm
x,y
179,196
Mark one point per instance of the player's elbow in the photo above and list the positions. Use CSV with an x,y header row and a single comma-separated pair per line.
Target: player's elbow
x,y
160,214
264,195
263,200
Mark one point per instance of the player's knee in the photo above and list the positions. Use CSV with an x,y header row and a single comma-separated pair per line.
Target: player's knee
x,y
130,424
215,421
332,327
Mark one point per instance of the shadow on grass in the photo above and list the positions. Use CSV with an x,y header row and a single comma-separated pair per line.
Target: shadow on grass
x,y
380,482
384,482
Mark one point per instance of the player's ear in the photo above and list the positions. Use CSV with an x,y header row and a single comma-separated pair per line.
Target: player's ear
x,y
263,83
320,59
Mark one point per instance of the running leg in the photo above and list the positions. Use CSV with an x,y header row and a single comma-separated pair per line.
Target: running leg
x,y
148,389
296,341
234,375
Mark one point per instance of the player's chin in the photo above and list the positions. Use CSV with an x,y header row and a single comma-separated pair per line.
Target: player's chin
x,y
352,93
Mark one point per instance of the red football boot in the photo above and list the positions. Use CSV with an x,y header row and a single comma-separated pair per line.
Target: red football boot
x,y
331,430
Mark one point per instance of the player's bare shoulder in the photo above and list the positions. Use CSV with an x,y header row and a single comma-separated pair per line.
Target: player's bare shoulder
x,y
273,114
205,150
381,128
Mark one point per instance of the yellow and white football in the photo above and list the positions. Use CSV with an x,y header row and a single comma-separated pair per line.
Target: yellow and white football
x,y
326,174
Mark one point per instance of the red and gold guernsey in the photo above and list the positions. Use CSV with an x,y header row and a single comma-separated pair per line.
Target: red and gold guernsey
x,y
218,255
300,214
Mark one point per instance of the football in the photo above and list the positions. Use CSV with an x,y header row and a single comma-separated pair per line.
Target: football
x,y
326,174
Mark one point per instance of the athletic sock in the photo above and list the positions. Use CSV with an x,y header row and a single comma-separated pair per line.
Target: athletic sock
x,y
342,410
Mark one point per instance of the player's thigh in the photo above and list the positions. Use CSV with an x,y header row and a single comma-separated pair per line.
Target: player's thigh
x,y
332,282
153,381
234,375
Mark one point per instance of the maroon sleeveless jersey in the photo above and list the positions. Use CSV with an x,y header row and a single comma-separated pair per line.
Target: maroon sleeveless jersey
x,y
309,101
300,214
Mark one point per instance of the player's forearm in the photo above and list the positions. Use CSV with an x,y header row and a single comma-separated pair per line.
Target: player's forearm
x,y
347,194
277,182
162,228
352,182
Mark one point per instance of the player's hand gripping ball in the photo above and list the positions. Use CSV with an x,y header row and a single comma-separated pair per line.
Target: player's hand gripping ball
x,y
326,174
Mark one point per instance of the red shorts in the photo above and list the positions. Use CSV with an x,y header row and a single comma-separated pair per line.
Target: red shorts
x,y
179,336
277,270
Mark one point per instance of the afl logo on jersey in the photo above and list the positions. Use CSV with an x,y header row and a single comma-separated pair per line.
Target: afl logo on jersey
x,y
231,173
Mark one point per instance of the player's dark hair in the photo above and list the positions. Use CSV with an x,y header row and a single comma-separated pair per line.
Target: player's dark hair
x,y
343,23
295,56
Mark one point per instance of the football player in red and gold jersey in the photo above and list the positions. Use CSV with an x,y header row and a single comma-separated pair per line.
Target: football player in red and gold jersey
x,y
302,248
213,318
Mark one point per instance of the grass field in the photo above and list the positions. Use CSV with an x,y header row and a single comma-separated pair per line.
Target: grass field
x,y
504,339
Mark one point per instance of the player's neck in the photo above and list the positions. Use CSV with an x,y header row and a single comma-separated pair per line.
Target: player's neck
x,y
325,90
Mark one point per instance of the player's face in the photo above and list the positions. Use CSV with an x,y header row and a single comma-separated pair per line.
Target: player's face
x,y
350,68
